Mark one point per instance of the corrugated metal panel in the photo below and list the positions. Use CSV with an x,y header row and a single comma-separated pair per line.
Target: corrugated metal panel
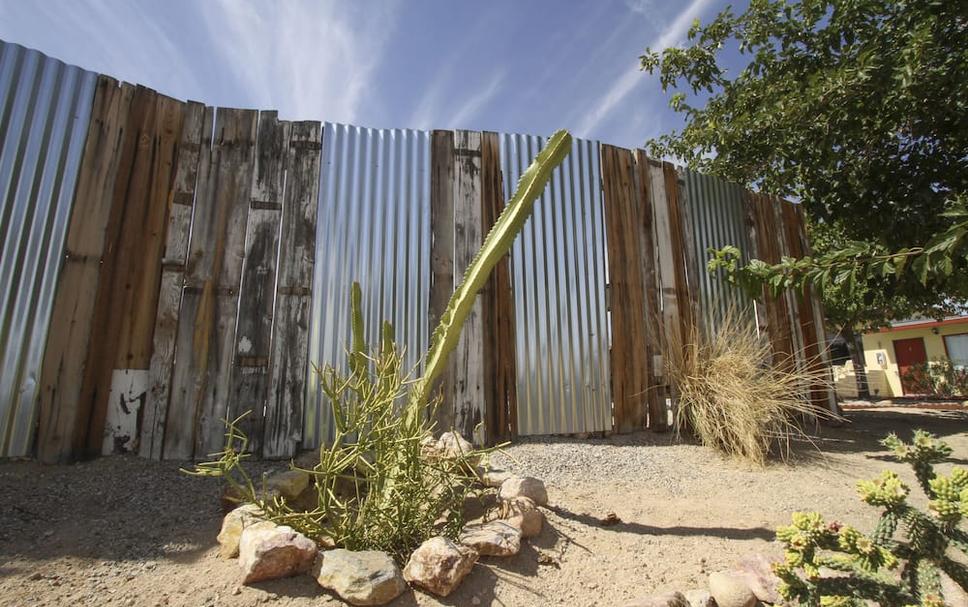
x,y
718,218
374,227
45,106
558,272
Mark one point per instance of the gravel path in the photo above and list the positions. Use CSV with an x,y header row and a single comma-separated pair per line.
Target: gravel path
x,y
124,531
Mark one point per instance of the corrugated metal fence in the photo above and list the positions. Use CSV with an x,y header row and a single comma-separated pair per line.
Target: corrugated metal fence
x,y
220,218
719,218
374,228
45,106
559,279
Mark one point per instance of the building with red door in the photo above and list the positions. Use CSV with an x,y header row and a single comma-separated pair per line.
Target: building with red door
x,y
910,356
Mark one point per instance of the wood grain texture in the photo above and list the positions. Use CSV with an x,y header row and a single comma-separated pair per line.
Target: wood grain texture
x,y
127,294
468,395
623,225
289,366
655,398
180,204
250,374
442,259
775,314
810,315
205,339
497,310
680,248
63,423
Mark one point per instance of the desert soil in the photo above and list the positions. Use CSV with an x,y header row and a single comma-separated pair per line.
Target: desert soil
x,y
124,531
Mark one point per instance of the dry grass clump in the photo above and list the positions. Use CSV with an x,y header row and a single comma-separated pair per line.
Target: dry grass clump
x,y
734,397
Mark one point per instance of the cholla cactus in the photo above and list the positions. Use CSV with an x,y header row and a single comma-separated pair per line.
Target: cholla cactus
x,y
880,567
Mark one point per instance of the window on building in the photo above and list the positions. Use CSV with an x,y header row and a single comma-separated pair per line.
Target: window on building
x,y
957,346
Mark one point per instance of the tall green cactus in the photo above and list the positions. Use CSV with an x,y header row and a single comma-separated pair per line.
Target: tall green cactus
x,y
496,245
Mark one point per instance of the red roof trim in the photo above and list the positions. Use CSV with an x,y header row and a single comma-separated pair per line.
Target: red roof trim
x,y
926,324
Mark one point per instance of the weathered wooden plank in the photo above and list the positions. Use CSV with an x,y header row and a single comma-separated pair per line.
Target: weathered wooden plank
x,y
819,324
677,231
289,366
655,397
442,257
671,326
690,254
63,422
121,264
180,205
630,369
792,318
138,276
810,314
776,317
497,310
250,374
468,395
205,340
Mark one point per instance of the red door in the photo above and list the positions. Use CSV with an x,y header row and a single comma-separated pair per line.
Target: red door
x,y
909,352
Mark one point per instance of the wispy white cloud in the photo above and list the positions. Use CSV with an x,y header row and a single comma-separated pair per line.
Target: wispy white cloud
x,y
116,38
472,106
308,59
632,76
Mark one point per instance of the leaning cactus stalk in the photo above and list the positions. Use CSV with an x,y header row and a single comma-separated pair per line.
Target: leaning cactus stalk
x,y
882,567
379,484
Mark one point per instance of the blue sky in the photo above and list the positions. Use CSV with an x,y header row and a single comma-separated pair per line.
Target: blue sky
x,y
523,66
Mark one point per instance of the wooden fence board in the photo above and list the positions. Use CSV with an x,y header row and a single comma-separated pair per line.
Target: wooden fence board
x,y
130,272
289,366
811,316
630,372
500,387
205,340
180,203
776,316
655,398
442,257
665,255
677,231
468,395
250,374
63,422
135,306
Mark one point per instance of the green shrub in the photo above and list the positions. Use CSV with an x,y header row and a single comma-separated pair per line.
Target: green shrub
x,y
900,562
938,378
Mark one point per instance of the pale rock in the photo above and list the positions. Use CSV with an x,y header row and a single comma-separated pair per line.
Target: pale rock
x,y
700,598
495,478
496,538
669,599
360,578
289,484
268,551
730,590
524,486
452,444
232,526
522,514
757,571
439,565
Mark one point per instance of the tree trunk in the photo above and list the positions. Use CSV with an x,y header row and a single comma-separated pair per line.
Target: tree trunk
x,y
856,347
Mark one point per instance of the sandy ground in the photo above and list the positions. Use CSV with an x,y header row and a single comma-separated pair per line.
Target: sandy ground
x,y
123,531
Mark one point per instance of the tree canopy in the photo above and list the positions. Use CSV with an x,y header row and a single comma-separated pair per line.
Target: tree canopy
x,y
855,108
